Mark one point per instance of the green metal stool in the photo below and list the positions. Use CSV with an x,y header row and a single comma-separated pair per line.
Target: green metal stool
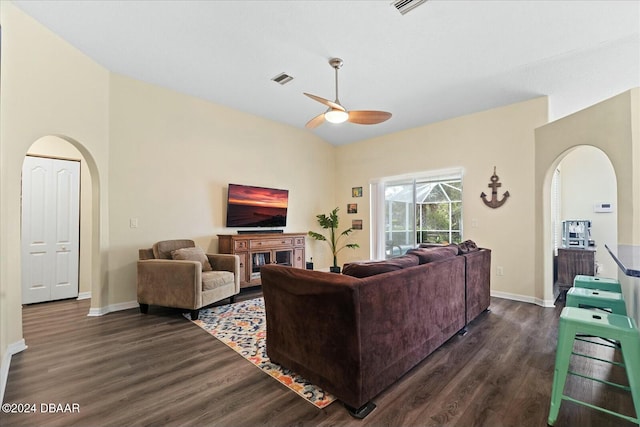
x,y
601,283
575,321
592,298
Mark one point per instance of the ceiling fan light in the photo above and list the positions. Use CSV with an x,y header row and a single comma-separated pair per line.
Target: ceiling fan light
x,y
336,116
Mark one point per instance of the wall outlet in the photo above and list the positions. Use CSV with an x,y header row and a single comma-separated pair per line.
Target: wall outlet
x,y
500,271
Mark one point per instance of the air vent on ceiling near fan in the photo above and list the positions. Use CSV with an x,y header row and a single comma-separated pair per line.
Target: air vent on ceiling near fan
x,y
282,78
405,6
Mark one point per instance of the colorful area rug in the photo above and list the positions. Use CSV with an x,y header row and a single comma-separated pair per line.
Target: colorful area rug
x,y
243,327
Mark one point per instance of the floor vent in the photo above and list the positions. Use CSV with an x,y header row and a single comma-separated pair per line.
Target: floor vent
x,y
405,6
282,78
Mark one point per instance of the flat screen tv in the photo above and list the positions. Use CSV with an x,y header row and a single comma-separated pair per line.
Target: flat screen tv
x,y
249,206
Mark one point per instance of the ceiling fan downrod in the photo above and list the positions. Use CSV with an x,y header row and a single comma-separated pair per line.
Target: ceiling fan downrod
x,y
336,63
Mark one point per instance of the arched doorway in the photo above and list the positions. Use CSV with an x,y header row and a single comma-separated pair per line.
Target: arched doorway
x,y
608,126
89,254
583,179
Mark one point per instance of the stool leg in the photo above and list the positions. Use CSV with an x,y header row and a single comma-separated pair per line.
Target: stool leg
x,y
631,357
566,335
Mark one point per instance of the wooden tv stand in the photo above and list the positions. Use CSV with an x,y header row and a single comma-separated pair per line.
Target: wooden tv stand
x,y
256,250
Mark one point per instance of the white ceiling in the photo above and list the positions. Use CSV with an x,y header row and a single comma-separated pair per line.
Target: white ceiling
x,y
441,60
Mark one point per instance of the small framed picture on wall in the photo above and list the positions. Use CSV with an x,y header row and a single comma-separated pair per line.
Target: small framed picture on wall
x,y
352,208
356,192
356,224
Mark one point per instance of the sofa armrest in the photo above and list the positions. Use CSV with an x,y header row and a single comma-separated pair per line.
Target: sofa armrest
x,y
313,325
170,283
477,282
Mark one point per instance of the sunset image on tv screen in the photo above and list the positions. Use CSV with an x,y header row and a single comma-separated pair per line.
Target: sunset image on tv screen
x,y
250,206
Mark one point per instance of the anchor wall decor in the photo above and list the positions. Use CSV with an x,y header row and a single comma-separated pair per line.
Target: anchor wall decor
x,y
494,202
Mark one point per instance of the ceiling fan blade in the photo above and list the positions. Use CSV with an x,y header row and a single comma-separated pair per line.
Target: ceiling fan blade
x,y
315,122
366,117
326,102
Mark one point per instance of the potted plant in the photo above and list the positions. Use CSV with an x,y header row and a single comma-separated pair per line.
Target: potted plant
x,y
330,222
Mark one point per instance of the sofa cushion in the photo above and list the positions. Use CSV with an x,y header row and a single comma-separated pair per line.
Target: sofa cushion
x,y
439,245
192,254
426,255
371,268
215,279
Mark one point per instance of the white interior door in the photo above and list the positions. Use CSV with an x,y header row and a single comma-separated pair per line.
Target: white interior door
x,y
50,229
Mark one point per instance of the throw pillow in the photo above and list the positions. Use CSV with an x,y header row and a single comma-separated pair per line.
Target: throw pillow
x,y
468,246
192,254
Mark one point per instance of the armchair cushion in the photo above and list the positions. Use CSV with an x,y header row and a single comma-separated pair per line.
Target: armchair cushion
x,y
192,254
215,279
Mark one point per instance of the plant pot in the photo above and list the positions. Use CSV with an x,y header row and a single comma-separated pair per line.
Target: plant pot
x,y
335,269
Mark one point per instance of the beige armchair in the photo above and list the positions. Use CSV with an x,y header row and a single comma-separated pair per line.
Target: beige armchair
x,y
176,273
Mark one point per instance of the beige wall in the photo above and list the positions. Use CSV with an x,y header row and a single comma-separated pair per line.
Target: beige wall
x,y
610,126
52,90
502,137
172,157
635,160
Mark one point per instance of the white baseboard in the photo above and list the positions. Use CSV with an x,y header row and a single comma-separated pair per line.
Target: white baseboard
x,y
523,298
12,349
547,303
101,311
84,295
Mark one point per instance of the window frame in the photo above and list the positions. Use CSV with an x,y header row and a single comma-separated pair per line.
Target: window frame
x,y
378,208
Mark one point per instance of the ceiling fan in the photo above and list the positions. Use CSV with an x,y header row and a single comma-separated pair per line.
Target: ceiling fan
x,y
338,114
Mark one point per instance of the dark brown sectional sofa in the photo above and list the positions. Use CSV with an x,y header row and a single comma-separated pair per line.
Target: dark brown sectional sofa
x,y
355,336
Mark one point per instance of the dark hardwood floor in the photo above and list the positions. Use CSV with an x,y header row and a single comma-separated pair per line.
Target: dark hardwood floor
x,y
129,369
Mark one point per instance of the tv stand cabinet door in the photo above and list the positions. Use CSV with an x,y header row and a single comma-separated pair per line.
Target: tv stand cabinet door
x,y
298,257
244,271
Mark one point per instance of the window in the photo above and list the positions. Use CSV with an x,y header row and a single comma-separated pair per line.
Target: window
x,y
425,208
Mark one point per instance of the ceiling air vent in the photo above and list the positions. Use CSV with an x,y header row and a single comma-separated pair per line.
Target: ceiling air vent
x,y
282,78
405,6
